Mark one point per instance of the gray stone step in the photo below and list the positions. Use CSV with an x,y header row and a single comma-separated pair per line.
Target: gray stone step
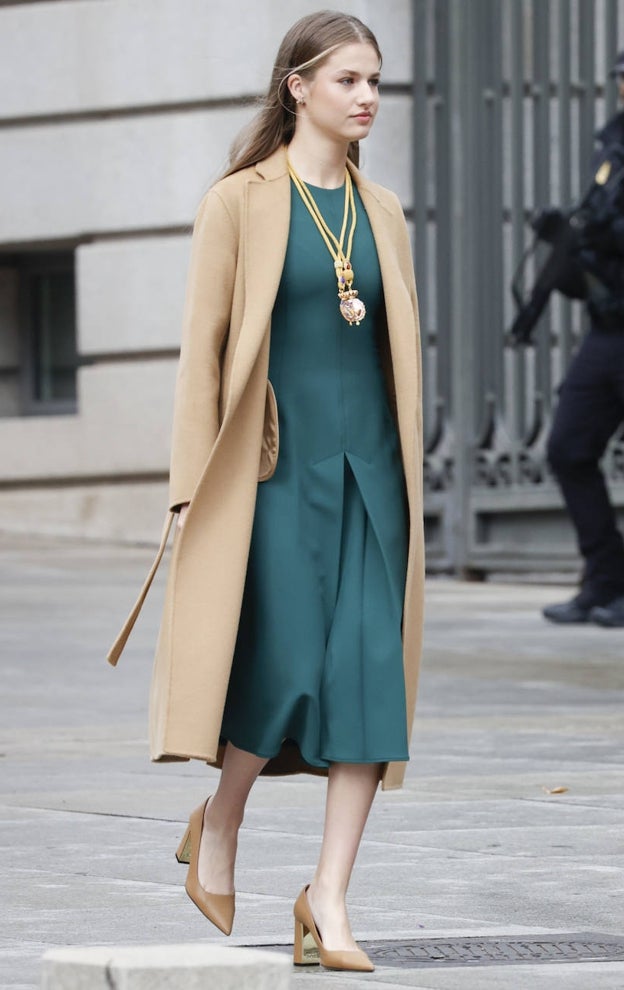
x,y
165,967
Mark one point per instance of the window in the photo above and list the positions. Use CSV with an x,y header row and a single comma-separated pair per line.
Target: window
x,y
38,358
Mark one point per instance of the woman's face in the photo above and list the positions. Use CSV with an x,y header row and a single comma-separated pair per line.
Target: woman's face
x,y
342,98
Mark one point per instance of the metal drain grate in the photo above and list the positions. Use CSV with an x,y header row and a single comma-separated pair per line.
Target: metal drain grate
x,y
491,950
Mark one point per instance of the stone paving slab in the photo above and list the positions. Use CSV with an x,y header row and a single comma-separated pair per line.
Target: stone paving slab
x,y
509,708
585,976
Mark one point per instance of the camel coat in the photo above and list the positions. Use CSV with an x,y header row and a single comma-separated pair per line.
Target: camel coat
x,y
225,441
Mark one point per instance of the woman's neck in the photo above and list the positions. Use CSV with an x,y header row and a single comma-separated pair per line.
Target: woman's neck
x,y
318,163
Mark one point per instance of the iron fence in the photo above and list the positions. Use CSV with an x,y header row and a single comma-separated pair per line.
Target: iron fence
x,y
507,97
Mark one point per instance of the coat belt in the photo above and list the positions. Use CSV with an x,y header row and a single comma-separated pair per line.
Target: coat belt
x,y
117,648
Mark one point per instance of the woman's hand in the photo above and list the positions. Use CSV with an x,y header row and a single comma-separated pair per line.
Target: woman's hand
x,y
182,515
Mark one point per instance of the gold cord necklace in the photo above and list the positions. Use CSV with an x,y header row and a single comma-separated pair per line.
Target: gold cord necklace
x,y
352,308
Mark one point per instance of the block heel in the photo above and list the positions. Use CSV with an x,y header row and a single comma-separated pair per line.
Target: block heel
x,y
183,852
305,949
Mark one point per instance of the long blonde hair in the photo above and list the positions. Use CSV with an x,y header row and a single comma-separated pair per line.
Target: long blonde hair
x,y
305,47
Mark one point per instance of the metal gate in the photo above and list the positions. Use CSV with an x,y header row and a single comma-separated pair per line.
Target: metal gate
x,y
507,96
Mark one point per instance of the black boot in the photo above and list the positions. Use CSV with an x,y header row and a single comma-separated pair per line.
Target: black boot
x,y
578,609
610,615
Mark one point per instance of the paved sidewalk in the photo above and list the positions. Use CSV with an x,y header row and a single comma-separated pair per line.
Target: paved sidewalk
x,y
475,845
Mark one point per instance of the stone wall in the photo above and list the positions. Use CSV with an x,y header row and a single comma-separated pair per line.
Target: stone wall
x,y
115,118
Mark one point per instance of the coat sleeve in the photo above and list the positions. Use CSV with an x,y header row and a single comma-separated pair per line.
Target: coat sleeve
x,y
206,322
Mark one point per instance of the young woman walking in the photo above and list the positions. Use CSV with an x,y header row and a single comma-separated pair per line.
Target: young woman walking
x,y
291,631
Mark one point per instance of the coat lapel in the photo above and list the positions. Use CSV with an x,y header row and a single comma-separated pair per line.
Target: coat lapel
x,y
266,224
399,310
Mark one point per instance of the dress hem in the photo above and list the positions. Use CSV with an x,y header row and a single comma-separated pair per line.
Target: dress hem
x,y
321,763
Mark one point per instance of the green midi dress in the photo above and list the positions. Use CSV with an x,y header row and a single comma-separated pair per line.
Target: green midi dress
x,y
318,660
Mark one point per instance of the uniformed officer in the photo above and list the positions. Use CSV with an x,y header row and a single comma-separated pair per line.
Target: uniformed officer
x,y
589,411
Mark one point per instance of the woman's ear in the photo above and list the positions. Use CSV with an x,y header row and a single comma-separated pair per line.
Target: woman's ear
x,y
295,85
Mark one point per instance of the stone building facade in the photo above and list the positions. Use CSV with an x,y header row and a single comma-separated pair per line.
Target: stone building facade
x,y
115,117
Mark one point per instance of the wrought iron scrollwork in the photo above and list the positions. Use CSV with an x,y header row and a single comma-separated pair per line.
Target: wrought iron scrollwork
x,y
532,463
614,467
493,458
439,460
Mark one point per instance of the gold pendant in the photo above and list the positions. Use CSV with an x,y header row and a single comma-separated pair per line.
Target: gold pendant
x,y
353,310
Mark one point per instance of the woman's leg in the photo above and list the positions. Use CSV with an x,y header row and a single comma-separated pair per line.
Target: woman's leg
x,y
350,791
223,818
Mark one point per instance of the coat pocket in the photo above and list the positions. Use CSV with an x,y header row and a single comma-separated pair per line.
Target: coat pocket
x,y
270,437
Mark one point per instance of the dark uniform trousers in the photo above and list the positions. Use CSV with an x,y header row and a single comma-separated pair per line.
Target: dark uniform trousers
x,y
590,409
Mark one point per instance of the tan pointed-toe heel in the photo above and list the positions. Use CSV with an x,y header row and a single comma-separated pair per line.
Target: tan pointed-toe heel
x,y
218,908
308,949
